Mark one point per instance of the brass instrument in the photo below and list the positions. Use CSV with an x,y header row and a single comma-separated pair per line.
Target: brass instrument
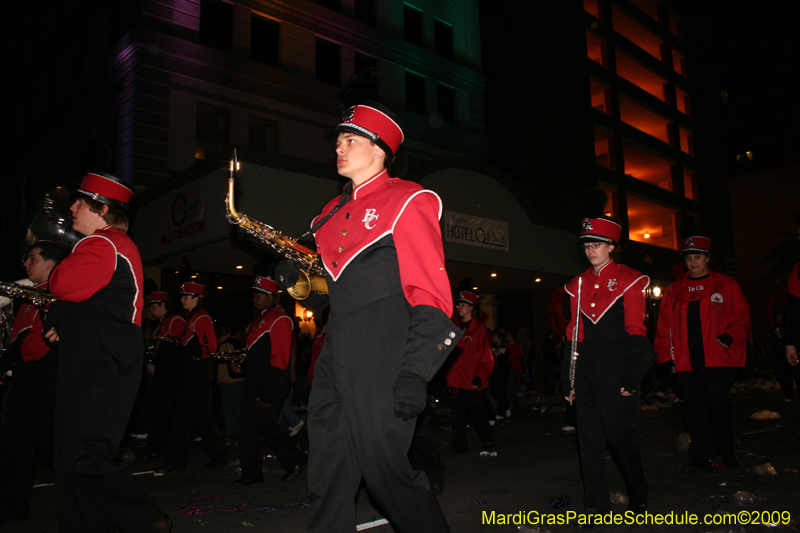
x,y
233,356
165,338
312,274
37,297
573,356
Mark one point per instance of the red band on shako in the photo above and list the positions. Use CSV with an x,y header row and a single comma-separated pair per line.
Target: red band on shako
x,y
696,244
157,297
192,289
600,229
467,297
106,190
265,285
374,125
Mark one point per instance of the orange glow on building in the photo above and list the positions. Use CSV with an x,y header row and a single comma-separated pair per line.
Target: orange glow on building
x,y
639,35
649,218
640,75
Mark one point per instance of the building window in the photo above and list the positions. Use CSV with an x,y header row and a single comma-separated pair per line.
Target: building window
x,y
689,184
593,8
413,27
675,24
364,11
263,133
216,24
687,142
601,96
652,223
640,75
443,39
650,7
265,41
327,62
635,32
682,101
678,62
446,102
364,62
647,166
415,93
212,130
596,48
633,113
612,206
604,148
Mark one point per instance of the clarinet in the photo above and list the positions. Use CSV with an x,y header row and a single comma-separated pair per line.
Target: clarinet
x,y
573,359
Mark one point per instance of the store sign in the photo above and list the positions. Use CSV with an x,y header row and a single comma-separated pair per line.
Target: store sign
x,y
182,214
475,231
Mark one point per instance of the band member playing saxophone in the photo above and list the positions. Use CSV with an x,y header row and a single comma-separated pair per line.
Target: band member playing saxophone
x,y
97,322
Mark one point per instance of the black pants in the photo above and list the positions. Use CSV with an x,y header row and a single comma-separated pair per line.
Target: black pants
x,y
467,406
162,404
194,406
424,452
605,418
353,431
258,425
28,432
708,412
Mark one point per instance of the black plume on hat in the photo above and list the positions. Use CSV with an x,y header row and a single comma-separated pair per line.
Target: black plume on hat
x,y
594,204
363,87
465,284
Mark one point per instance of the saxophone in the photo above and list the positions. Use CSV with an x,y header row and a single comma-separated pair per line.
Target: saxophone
x,y
37,297
312,275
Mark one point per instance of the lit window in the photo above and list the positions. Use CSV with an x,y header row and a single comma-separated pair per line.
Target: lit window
x,y
689,184
601,96
639,75
628,27
656,220
650,7
592,7
645,165
604,148
682,101
596,48
612,206
678,62
641,118
687,144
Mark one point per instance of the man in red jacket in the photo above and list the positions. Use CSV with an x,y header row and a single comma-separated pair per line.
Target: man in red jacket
x,y
703,326
468,377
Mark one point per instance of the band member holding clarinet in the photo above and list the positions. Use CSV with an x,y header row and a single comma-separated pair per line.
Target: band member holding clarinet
x,y
266,383
97,322
605,358
30,408
388,333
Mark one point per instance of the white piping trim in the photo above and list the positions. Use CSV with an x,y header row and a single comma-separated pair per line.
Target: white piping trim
x,y
361,186
382,235
609,306
268,330
130,266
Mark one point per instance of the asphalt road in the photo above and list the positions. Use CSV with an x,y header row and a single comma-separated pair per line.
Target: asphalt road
x,y
536,462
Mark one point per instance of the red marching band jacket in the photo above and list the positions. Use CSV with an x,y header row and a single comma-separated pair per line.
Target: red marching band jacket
x,y
171,325
279,327
794,281
601,290
723,309
472,357
29,319
200,325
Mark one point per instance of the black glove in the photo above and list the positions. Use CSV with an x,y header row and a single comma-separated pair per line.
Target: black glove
x,y
477,381
630,382
287,273
725,339
410,395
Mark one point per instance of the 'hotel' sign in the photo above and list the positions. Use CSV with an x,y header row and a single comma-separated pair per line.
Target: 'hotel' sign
x,y
475,231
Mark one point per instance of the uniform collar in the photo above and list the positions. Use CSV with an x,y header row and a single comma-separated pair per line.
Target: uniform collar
x,y
371,184
605,269
42,285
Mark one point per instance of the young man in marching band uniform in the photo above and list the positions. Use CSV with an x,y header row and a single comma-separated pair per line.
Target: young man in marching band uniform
x,y
198,342
792,317
703,326
166,374
614,355
97,322
468,378
29,414
266,383
388,332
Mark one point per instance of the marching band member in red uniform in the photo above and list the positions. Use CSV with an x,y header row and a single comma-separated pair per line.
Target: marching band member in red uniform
x,y
388,333
193,405
468,377
166,375
614,355
266,383
703,326
792,317
99,330
30,407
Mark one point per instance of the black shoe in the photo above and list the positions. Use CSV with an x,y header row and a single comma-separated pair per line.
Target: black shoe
x,y
638,509
731,461
169,468
704,465
216,463
294,472
252,480
162,526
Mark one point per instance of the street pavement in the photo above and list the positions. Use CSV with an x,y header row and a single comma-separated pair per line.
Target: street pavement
x,y
536,462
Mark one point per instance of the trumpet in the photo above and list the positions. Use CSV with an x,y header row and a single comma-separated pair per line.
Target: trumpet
x,y
36,297
312,274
